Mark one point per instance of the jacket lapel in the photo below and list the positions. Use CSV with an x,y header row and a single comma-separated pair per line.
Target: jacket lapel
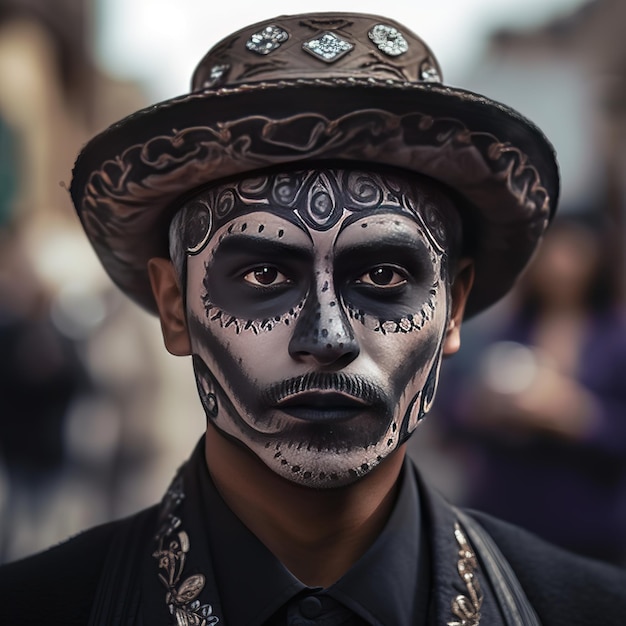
x,y
461,594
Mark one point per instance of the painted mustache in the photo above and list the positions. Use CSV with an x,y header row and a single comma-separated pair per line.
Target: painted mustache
x,y
354,386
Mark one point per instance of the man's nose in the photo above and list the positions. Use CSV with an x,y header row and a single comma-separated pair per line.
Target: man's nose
x,y
323,333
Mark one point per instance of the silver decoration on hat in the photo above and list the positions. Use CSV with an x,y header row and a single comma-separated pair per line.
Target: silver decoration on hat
x,y
216,75
429,73
267,40
328,47
388,40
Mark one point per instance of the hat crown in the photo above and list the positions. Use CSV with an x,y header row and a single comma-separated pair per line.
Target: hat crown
x,y
318,46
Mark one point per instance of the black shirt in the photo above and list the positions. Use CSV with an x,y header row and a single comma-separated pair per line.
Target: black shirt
x,y
388,585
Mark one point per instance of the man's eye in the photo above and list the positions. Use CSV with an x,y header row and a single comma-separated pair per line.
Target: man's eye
x,y
384,276
265,276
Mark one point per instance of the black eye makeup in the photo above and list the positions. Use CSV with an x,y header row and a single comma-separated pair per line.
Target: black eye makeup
x,y
253,278
386,276
385,264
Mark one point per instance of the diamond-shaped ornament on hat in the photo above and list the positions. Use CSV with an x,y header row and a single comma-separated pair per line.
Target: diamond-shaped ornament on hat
x,y
328,47
388,40
216,75
267,40
429,73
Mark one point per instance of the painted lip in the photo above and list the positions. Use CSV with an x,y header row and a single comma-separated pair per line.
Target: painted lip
x,y
322,405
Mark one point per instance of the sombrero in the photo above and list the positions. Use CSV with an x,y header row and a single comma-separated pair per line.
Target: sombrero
x,y
336,86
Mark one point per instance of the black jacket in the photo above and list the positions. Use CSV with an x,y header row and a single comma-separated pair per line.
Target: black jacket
x,y
62,585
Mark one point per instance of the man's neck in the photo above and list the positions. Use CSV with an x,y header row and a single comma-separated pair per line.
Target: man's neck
x,y
318,534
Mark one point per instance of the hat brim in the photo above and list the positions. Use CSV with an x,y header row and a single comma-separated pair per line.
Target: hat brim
x,y
129,179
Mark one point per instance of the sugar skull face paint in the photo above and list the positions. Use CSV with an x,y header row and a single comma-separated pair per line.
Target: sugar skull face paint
x,y
317,303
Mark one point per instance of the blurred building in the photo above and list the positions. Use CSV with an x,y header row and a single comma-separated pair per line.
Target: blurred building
x,y
52,99
569,76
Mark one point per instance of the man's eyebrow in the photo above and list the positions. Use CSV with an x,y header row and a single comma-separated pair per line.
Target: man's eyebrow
x,y
396,242
260,246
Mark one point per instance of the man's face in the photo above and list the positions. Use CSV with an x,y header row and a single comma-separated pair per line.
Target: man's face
x,y
317,304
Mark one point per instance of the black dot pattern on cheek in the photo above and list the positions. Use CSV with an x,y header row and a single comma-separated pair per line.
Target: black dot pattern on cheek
x,y
406,324
215,314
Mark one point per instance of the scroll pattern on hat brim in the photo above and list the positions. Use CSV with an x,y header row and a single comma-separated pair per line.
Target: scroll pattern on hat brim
x,y
128,180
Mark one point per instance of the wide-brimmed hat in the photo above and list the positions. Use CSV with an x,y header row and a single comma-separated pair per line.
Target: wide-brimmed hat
x,y
315,87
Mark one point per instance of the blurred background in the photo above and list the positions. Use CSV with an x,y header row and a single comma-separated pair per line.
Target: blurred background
x,y
95,416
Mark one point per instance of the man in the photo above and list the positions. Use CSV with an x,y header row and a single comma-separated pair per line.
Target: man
x,y
311,224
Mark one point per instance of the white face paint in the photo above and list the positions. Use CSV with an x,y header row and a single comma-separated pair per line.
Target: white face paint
x,y
317,304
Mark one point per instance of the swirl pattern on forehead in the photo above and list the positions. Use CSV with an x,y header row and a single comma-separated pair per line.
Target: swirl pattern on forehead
x,y
311,197
366,191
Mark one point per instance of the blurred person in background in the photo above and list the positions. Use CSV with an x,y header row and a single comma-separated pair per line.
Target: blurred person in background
x,y
544,417
41,374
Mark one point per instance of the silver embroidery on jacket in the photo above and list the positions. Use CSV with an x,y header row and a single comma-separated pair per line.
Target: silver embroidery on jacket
x,y
173,545
466,607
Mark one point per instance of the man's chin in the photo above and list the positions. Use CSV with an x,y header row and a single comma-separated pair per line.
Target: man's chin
x,y
326,468
318,453
323,473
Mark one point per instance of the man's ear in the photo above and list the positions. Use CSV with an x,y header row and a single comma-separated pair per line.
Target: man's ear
x,y
459,293
171,308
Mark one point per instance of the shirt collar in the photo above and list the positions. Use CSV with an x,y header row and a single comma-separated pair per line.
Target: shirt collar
x,y
387,585
252,583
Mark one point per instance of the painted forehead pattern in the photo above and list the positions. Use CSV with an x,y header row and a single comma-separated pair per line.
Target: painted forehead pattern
x,y
316,199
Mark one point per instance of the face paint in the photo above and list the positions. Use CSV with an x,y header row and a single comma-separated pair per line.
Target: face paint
x,y
317,303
